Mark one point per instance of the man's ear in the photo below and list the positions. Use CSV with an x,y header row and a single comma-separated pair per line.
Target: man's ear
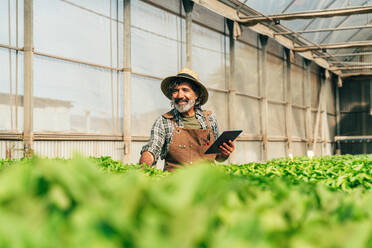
x,y
197,94
197,100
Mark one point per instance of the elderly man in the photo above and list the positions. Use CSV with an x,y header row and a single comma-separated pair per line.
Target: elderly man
x,y
182,135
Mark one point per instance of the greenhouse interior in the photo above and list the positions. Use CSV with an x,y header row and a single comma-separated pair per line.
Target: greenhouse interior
x,y
112,112
84,76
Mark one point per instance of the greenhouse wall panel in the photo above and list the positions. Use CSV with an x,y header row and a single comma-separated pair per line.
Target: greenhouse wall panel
x,y
298,124
217,103
209,56
276,150
147,104
246,68
277,123
11,149
248,118
78,33
67,149
297,85
247,152
275,78
74,98
11,90
299,149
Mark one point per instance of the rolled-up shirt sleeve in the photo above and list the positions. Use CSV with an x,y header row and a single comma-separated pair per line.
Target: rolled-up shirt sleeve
x,y
157,139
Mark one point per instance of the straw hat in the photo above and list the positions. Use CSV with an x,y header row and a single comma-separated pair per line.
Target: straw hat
x,y
189,76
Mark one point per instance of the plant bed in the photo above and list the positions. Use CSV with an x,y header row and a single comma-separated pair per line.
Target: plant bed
x,y
98,202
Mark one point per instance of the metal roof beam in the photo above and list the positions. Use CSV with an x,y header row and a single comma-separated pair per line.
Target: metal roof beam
x,y
325,30
344,55
307,15
353,74
351,63
334,46
353,138
346,68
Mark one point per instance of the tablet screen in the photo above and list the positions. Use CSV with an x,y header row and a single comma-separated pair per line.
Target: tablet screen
x,y
224,137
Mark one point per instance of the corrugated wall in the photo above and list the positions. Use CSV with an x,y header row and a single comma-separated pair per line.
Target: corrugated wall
x,y
11,149
66,149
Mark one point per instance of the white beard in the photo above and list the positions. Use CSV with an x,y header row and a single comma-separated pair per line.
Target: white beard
x,y
184,108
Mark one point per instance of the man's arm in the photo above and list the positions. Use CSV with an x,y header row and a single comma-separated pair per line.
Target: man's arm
x,y
147,158
152,150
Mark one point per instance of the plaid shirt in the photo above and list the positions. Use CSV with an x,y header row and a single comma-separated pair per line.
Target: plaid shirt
x,y
163,128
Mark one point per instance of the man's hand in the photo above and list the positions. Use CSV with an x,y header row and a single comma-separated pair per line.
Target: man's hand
x,y
147,158
225,150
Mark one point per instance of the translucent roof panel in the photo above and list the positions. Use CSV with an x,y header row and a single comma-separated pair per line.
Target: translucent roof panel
x,y
331,30
267,7
296,25
289,6
364,34
303,5
352,21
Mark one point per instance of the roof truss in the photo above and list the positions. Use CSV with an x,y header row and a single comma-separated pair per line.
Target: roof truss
x,y
325,30
307,15
345,54
334,46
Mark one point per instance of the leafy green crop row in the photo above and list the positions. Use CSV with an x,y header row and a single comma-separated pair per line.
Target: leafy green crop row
x,y
344,172
98,202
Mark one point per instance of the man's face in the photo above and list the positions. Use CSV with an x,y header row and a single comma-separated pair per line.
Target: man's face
x,y
183,97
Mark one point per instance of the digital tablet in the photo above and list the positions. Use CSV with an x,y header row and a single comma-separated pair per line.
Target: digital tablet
x,y
224,137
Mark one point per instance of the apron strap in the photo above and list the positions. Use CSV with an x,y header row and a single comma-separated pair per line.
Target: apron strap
x,y
169,115
175,124
206,115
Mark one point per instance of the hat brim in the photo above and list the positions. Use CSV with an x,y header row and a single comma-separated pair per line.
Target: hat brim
x,y
203,92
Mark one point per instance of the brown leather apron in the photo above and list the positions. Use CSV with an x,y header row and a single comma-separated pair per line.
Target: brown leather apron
x,y
188,145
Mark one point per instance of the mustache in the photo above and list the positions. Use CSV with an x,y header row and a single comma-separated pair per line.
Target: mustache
x,y
181,99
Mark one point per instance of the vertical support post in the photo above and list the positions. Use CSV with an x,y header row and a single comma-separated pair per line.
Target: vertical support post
x,y
364,113
231,82
263,92
127,82
188,6
288,99
370,97
28,77
324,112
338,119
317,120
11,102
16,72
307,89
364,107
